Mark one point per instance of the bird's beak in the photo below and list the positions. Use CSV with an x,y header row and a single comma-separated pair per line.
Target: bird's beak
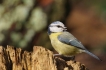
x,y
65,28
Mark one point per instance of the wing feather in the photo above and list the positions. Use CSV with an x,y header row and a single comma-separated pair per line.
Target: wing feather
x,y
69,39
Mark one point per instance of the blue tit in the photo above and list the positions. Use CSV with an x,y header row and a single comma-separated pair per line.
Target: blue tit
x,y
64,42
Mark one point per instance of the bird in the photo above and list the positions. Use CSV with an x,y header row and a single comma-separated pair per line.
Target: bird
x,y
64,42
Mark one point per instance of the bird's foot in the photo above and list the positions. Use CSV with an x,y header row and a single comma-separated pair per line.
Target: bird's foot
x,y
71,57
67,58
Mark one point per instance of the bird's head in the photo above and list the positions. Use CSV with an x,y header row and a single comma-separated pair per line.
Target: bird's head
x,y
56,26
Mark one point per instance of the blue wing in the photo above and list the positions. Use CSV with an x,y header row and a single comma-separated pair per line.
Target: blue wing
x,y
69,39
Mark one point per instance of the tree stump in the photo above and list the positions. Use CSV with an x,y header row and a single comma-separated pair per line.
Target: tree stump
x,y
40,59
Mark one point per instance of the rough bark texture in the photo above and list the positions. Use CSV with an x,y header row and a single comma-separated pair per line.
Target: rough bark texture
x,y
40,59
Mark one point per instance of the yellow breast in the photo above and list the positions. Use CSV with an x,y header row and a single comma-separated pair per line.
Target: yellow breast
x,y
62,48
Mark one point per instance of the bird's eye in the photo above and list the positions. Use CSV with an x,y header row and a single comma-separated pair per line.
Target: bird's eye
x,y
58,26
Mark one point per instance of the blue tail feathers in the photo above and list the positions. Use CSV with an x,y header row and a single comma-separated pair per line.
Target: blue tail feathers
x,y
91,54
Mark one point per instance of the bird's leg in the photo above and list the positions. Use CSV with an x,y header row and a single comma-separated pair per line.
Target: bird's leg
x,y
67,58
72,57
57,55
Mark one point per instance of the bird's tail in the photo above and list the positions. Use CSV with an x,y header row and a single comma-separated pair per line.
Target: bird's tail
x,y
92,55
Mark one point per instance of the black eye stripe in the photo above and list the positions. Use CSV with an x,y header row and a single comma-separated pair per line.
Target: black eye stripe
x,y
56,26
59,26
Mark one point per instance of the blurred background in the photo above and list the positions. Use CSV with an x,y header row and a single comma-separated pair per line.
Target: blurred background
x,y
24,23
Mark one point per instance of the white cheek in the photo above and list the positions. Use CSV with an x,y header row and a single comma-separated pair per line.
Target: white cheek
x,y
55,29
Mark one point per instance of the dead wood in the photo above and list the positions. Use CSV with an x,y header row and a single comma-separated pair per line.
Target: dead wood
x,y
40,59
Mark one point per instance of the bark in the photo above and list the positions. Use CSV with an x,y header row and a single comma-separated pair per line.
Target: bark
x,y
40,59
